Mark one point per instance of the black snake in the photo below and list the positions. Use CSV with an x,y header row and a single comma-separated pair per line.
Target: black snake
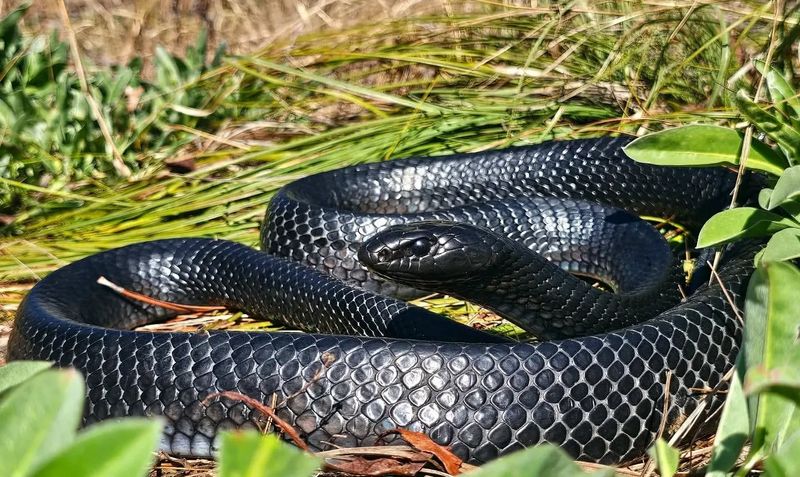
x,y
598,396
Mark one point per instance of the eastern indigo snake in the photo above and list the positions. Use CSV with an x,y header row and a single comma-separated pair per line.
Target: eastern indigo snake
x,y
600,395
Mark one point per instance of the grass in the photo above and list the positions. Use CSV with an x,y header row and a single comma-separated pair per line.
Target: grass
x,y
209,148
427,85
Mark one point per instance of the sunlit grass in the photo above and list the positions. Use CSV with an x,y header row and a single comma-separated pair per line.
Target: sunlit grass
x,y
431,85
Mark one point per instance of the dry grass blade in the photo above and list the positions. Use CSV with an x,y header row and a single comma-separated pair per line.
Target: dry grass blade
x,y
119,165
180,308
265,410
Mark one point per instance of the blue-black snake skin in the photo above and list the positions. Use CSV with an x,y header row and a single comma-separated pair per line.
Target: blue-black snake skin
x,y
600,397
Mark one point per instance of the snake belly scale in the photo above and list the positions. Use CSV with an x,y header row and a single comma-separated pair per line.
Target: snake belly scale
x,y
600,397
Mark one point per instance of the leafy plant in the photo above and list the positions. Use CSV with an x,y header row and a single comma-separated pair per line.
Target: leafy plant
x,y
49,137
778,214
249,454
545,460
764,394
40,409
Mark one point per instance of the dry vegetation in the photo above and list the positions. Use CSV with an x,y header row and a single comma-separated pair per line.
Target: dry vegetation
x,y
112,32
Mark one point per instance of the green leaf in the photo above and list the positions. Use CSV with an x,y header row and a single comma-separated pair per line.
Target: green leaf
x,y
38,418
770,342
544,460
786,188
774,126
667,458
196,55
780,91
786,461
733,429
17,372
168,76
740,222
9,25
114,95
108,449
249,454
792,208
784,245
702,145
763,197
784,380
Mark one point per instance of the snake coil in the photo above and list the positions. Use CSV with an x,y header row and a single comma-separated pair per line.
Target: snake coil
x,y
600,396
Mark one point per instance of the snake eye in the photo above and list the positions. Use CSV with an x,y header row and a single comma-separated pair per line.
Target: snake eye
x,y
420,247
384,255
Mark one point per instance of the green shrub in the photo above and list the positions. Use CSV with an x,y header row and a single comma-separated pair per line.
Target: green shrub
x,y
49,137
40,409
762,403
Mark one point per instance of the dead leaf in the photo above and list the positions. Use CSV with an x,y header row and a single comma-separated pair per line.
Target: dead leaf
x,y
452,463
374,467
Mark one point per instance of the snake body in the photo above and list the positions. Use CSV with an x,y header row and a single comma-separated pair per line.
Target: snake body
x,y
600,397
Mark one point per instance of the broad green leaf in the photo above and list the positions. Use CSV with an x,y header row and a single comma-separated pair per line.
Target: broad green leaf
x,y
780,91
763,197
787,187
784,245
544,460
776,127
702,145
792,208
786,461
740,222
108,449
784,380
733,429
16,372
782,94
772,315
249,454
667,457
38,418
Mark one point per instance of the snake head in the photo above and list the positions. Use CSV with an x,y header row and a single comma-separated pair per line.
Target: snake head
x,y
426,252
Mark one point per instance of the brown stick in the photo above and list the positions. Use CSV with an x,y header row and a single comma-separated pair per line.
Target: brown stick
x,y
156,302
267,411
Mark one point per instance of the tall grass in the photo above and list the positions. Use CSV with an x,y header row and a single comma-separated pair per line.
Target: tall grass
x,y
497,76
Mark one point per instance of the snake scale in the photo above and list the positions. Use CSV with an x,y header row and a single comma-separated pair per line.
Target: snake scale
x,y
599,395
